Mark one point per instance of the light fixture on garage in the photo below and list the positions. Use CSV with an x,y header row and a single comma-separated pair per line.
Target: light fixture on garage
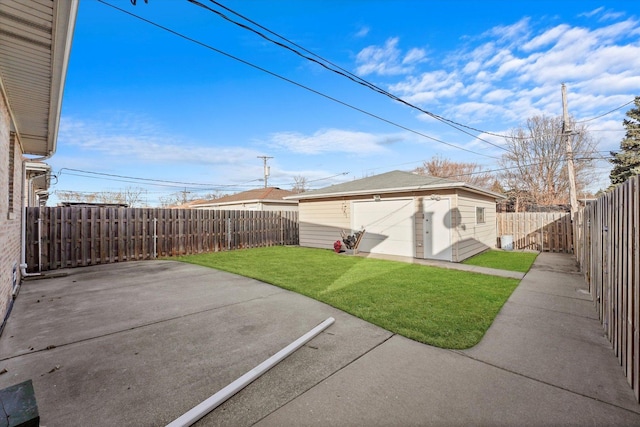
x,y
376,197
435,197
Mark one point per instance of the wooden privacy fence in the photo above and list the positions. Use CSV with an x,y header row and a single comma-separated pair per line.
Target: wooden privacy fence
x,y
61,237
539,231
607,243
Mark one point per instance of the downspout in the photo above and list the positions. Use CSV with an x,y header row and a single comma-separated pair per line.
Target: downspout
x,y
26,202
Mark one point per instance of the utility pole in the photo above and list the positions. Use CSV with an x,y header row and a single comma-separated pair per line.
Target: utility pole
x,y
184,196
266,169
566,134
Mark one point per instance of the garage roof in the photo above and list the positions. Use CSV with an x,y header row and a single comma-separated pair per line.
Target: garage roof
x,y
392,182
35,41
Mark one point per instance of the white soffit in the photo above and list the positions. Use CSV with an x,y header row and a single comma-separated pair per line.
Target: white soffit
x,y
35,42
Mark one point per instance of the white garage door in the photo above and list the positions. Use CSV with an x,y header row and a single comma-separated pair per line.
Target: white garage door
x,y
389,226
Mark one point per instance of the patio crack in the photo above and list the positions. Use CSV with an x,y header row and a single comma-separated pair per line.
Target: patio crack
x,y
543,382
4,411
581,316
534,291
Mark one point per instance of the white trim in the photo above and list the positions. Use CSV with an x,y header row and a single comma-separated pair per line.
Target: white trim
x,y
381,191
242,202
65,14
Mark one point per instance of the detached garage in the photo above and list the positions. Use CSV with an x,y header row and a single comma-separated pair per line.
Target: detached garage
x,y
404,214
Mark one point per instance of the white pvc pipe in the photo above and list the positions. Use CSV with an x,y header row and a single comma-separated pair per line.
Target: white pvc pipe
x,y
26,202
199,411
40,241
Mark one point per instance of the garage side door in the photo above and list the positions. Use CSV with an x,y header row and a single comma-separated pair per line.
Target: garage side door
x,y
389,226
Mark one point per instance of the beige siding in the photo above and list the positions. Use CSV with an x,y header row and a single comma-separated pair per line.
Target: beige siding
x,y
472,238
322,221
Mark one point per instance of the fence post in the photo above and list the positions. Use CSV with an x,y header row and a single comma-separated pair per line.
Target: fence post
x,y
155,238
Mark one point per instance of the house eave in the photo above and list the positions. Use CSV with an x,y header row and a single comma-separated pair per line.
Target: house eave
x,y
36,43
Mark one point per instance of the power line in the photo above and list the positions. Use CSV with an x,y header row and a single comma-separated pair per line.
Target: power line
x,y
123,180
608,112
357,79
264,70
151,181
131,177
341,71
522,166
170,184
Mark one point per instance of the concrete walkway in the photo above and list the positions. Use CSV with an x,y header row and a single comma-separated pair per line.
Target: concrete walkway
x,y
543,362
447,265
140,343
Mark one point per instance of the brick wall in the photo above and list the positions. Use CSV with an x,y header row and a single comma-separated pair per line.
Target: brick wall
x,y
10,222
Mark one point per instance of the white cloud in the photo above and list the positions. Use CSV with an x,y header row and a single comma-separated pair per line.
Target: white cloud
x,y
611,16
334,141
134,140
592,12
548,37
429,86
515,71
497,95
388,60
414,55
510,33
362,32
471,67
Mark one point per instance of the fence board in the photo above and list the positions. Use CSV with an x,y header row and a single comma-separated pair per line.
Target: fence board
x,y
80,236
539,231
610,261
635,278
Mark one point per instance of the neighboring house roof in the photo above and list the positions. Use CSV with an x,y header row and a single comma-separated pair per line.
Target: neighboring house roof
x,y
35,42
39,174
391,182
262,195
93,205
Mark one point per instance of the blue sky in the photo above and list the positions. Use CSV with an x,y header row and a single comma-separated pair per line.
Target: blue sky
x,y
142,102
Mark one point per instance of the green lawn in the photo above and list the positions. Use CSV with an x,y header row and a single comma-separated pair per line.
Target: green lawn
x,y
504,260
440,307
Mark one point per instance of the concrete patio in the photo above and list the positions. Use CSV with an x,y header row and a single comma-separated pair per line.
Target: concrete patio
x,y
140,343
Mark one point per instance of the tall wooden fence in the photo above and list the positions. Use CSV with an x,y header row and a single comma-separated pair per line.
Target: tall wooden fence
x,y
608,243
539,231
61,237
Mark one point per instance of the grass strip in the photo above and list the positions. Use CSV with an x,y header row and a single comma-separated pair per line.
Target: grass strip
x,y
504,260
444,308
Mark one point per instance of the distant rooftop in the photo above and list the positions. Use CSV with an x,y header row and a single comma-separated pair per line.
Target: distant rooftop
x,y
257,195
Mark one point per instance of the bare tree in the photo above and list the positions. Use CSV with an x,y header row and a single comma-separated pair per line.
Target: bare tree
x,y
177,199
469,172
301,185
110,197
217,194
75,196
131,196
535,162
